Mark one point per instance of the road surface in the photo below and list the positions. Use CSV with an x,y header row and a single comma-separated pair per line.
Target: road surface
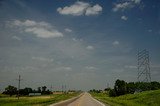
x,y
86,100
83,100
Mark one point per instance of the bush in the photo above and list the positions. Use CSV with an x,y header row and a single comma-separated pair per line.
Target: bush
x,y
120,87
112,93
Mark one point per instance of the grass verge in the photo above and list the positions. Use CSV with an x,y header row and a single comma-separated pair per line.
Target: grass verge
x,y
147,98
35,100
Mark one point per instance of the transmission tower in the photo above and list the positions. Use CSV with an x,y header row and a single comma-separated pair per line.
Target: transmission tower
x,y
19,82
144,66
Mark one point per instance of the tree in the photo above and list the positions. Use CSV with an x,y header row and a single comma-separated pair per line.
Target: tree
x,y
39,89
112,93
11,90
143,86
25,91
131,87
107,89
120,87
155,85
44,88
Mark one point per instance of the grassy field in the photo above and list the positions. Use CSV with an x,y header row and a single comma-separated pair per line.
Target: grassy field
x,y
35,100
147,98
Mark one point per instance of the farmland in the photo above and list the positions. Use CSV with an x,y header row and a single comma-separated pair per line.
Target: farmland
x,y
34,100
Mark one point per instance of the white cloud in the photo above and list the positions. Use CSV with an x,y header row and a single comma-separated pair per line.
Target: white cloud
x,y
25,23
77,40
43,33
121,6
67,68
42,59
74,39
64,68
155,66
150,30
125,5
90,68
68,30
76,9
130,67
90,47
16,38
39,29
115,43
136,1
80,8
124,18
93,10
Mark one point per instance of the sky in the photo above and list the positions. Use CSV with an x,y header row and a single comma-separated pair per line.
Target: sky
x,y
83,44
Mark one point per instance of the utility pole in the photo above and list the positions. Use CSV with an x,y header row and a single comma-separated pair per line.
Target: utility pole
x,y
19,82
51,92
107,85
65,88
51,88
62,88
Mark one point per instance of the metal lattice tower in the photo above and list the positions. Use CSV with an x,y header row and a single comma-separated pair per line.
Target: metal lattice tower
x,y
144,66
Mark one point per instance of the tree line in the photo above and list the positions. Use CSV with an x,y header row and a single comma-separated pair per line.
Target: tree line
x,y
12,90
121,87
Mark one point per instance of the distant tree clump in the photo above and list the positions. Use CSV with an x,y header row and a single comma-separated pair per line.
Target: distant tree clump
x,y
95,91
43,90
107,89
131,87
121,87
10,90
112,93
25,91
39,89
155,85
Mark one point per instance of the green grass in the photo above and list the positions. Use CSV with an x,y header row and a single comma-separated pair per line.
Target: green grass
x,y
147,98
35,100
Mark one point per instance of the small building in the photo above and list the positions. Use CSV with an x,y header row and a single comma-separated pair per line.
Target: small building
x,y
34,94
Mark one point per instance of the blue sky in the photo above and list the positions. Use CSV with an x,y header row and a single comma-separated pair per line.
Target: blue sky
x,y
83,44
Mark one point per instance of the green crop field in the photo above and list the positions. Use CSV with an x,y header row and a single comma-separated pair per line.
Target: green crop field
x,y
35,100
147,98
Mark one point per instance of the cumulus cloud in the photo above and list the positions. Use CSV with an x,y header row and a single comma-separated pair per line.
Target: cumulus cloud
x,y
154,65
90,68
68,30
77,40
64,68
125,5
74,39
130,66
93,10
115,43
124,18
16,38
39,29
80,8
90,47
42,59
150,30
